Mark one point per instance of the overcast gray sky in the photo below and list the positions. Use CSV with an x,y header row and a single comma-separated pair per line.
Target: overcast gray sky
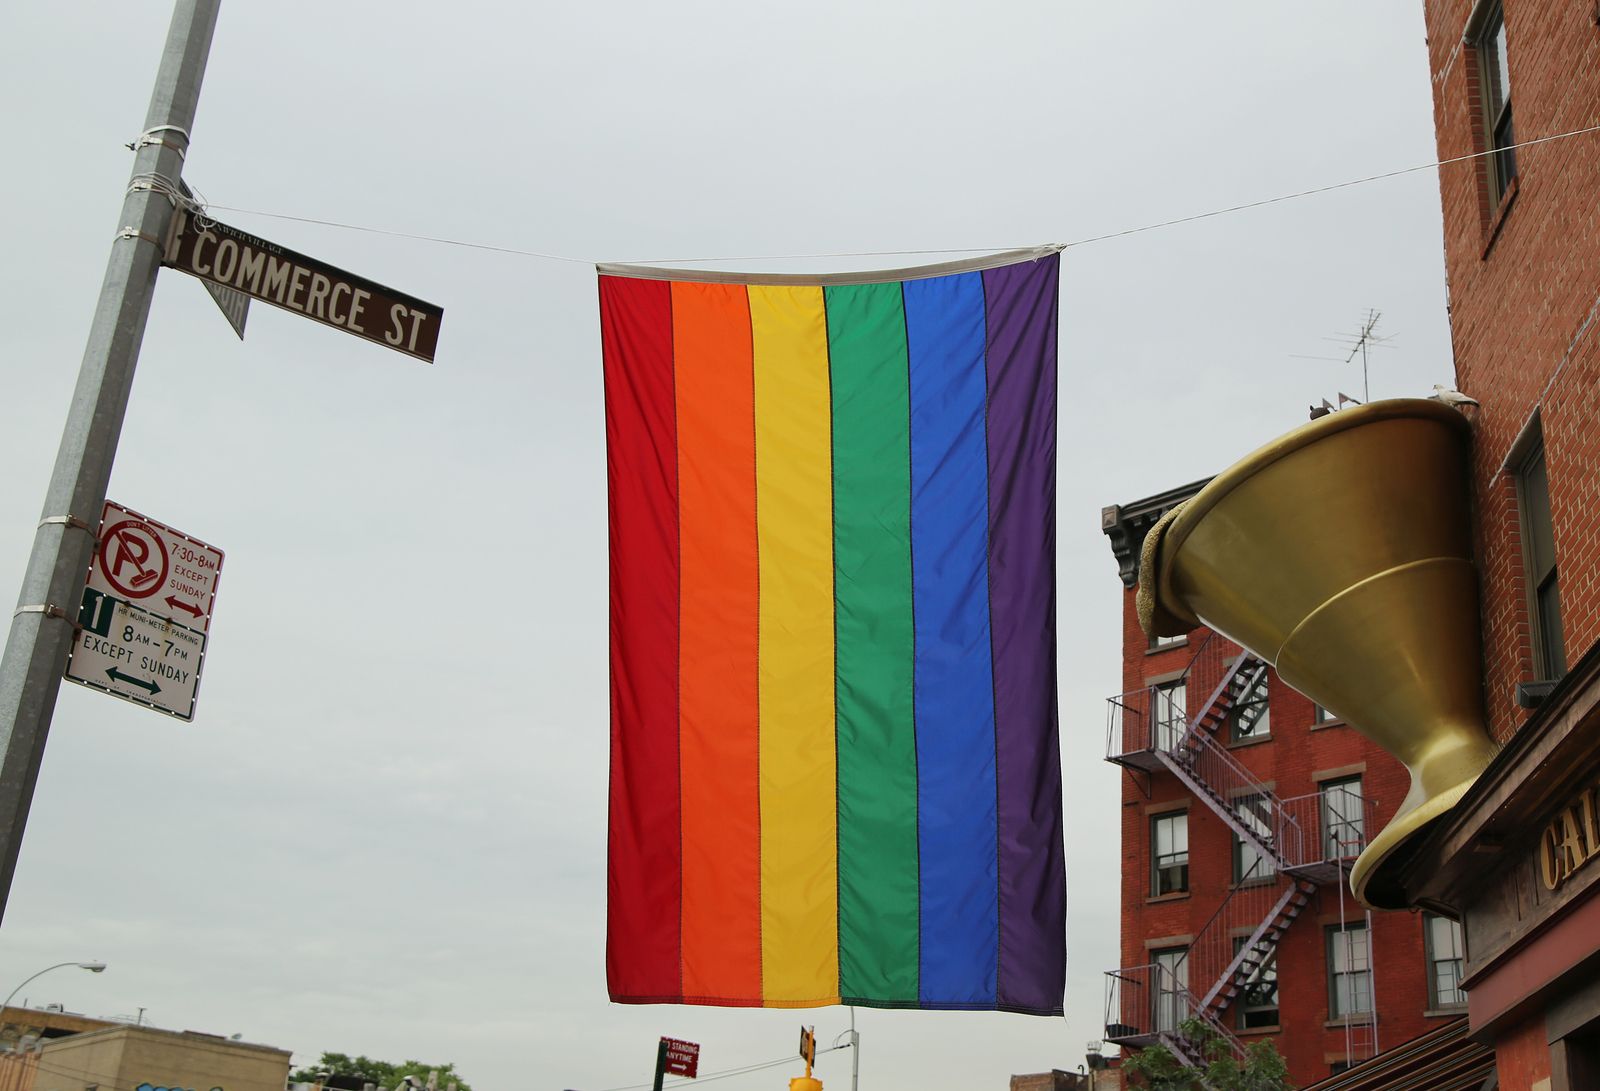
x,y
385,831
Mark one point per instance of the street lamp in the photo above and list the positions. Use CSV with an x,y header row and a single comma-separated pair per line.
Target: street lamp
x,y
92,967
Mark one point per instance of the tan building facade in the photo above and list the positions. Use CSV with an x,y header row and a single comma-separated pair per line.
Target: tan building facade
x,y
125,1058
17,1071
24,1028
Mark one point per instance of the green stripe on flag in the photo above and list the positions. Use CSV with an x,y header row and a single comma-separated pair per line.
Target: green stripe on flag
x,y
874,642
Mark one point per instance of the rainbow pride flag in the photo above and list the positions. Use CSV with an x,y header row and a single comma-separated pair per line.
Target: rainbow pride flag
x,y
835,775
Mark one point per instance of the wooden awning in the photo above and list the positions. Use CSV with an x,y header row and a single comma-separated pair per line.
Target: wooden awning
x,y
1440,1060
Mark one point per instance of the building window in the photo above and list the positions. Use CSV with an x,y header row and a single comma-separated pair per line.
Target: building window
x,y
1443,941
1257,1005
1172,981
1159,642
1343,818
1539,553
1169,853
1320,715
1255,811
1171,713
1494,85
1349,972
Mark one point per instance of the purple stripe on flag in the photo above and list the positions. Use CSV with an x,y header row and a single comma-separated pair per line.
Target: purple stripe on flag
x,y
1022,313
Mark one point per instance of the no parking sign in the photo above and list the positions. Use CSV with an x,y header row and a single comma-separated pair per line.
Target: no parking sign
x,y
145,613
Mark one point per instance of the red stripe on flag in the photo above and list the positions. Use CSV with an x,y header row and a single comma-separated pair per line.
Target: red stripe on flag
x,y
644,867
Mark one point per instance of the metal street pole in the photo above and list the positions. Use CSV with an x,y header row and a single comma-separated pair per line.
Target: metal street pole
x,y
661,1063
42,629
855,1053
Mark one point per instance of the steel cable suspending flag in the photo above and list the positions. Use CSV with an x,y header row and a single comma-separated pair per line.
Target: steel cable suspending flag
x,y
835,775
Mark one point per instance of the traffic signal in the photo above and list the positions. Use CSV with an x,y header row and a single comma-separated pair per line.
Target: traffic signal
x,y
808,1053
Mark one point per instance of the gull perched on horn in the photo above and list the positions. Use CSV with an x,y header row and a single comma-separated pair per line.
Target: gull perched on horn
x,y
1451,396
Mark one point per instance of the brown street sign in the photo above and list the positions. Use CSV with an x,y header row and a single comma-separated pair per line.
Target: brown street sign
x,y
235,306
263,270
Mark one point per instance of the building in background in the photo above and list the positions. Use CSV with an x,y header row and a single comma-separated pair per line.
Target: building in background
x,y
22,1028
1054,1080
1513,859
1243,807
17,1070
132,1058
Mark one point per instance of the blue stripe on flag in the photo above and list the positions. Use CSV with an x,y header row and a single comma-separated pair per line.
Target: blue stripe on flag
x,y
954,685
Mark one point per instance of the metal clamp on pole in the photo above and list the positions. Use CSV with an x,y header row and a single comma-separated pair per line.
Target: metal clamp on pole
x,y
44,608
148,138
149,135
155,183
66,521
134,233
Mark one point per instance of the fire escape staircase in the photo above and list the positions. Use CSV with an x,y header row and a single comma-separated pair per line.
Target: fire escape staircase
x,y
1188,1052
1257,949
1269,899
1210,771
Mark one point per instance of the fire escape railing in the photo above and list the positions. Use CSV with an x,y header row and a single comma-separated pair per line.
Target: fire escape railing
x,y
1233,946
1149,730
1324,831
1284,848
1209,770
1241,677
1148,719
1155,718
1149,1004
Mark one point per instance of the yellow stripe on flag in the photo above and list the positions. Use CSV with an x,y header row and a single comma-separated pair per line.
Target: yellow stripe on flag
x,y
794,530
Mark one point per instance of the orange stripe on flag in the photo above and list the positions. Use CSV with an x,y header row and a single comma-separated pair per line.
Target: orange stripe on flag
x,y
718,631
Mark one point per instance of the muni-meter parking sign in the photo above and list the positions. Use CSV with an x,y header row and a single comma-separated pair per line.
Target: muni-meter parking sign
x,y
145,613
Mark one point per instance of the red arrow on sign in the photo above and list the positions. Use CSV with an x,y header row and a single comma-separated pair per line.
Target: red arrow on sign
x,y
178,604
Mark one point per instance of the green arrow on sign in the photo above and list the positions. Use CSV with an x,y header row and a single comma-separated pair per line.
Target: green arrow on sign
x,y
117,676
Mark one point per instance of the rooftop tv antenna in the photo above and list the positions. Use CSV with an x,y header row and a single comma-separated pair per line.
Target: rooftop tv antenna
x,y
1358,342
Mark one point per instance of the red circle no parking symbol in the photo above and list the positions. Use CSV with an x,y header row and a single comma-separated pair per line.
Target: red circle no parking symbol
x,y
133,559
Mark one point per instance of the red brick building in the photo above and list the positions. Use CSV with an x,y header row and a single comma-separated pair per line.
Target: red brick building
x,y
1522,254
1515,858
1243,806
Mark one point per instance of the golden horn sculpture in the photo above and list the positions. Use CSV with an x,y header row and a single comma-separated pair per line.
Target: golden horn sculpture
x,y
1340,553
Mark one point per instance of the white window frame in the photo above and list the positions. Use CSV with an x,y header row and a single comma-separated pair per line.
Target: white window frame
x,y
1349,972
1172,980
1180,826
1170,712
1343,813
1486,34
1444,967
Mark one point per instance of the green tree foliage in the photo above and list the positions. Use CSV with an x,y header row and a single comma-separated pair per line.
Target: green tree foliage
x,y
1158,1069
380,1073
